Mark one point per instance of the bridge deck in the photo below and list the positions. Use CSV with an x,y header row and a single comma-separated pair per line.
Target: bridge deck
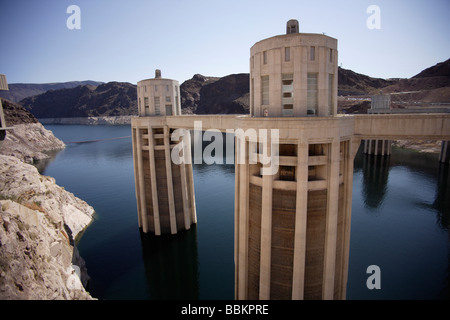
x,y
371,126
403,126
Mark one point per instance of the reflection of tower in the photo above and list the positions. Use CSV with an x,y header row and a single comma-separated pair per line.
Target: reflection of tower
x,y
376,176
171,265
442,199
444,156
164,188
292,228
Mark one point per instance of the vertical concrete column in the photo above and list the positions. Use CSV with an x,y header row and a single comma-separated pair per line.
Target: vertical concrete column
x,y
331,221
298,276
266,235
190,177
170,197
322,82
141,191
243,170
236,218
134,133
155,203
184,183
349,156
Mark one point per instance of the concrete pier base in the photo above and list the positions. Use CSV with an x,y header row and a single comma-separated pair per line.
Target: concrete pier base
x,y
293,227
444,156
164,189
378,147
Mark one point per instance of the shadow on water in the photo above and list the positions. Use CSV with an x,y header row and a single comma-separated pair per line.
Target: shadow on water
x,y
171,265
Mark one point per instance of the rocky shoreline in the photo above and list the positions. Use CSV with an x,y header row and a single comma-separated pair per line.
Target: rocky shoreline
x,y
39,222
116,120
29,141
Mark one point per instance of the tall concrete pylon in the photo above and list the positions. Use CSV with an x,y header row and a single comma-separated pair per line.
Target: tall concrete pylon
x,y
164,189
292,228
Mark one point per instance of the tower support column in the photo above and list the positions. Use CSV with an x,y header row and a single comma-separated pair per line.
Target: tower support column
x,y
164,189
298,276
331,221
266,236
154,195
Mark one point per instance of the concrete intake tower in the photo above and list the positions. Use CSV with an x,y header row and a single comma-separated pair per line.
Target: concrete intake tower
x,y
292,228
164,190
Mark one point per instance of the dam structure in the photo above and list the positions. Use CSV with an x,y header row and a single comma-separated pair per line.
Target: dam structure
x,y
293,168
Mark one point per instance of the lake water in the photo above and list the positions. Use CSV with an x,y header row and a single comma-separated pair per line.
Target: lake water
x,y
400,222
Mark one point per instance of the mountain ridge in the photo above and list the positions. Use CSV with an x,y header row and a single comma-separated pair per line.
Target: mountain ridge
x,y
107,99
230,94
20,91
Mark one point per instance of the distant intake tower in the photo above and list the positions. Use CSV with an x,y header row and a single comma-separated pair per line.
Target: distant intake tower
x,y
164,189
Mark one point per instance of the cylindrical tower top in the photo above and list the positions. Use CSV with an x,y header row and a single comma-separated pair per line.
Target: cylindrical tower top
x,y
294,74
158,96
292,26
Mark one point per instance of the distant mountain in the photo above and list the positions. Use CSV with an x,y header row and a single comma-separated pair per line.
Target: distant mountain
x,y
108,99
352,83
190,92
20,91
432,85
230,94
211,95
427,88
441,69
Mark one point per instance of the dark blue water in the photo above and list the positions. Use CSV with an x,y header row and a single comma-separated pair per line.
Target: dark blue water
x,y
400,222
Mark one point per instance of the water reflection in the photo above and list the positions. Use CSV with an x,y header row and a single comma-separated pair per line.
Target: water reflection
x,y
41,165
442,200
375,179
171,265
410,240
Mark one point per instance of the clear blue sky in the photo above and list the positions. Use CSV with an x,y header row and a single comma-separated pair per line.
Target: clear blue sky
x,y
128,40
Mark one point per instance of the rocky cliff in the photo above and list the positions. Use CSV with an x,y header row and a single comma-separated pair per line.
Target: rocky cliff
x,y
352,83
38,224
212,95
228,95
190,92
28,140
38,219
